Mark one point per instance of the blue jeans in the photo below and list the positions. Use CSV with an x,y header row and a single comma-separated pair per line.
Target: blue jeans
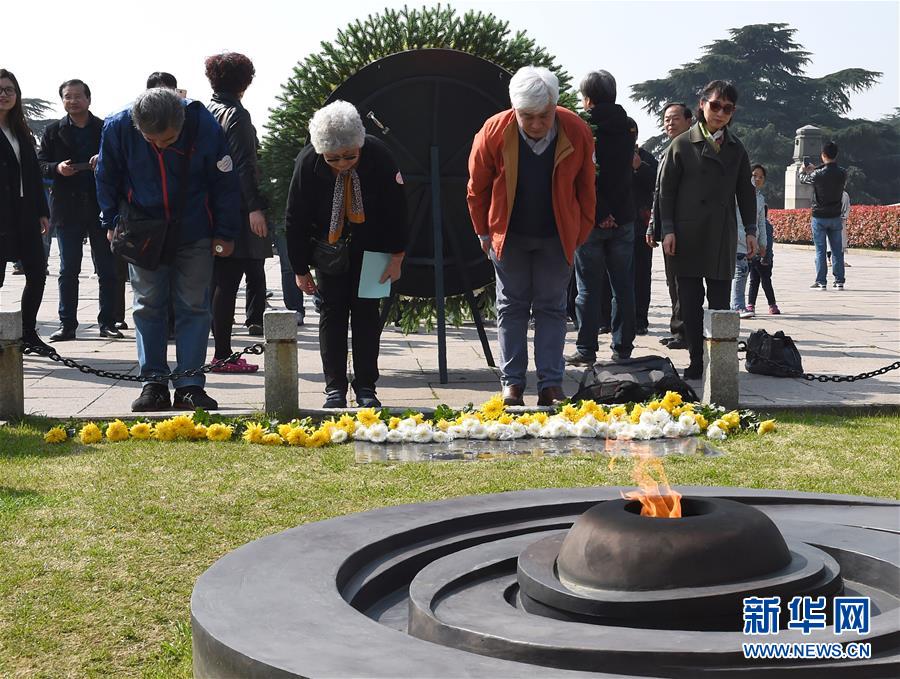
x,y
293,298
532,280
739,283
829,228
71,248
613,254
188,278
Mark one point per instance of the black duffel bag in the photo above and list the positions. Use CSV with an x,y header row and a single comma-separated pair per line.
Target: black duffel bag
x,y
632,379
140,239
775,355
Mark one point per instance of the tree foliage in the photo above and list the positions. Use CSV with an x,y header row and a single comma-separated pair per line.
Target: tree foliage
x,y
35,110
767,66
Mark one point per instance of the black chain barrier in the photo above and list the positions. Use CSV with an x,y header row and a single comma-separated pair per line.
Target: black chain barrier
x,y
742,347
38,350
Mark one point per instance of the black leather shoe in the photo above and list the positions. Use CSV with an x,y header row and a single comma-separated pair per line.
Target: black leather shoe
x,y
577,358
255,330
677,344
335,399
121,325
693,372
64,334
551,396
36,344
641,330
665,340
193,397
153,397
605,330
110,331
512,395
366,398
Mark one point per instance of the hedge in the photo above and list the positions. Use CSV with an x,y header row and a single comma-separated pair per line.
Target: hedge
x,y
869,226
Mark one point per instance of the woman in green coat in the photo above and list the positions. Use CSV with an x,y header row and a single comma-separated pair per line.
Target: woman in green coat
x,y
705,170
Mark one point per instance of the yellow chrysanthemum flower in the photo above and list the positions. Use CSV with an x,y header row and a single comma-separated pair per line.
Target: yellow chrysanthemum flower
x,y
56,435
732,419
618,411
721,424
183,426
654,405
635,416
766,426
701,421
676,412
272,439
318,439
570,412
493,407
254,432
90,433
443,424
219,432
419,418
199,432
525,419
687,407
283,430
540,418
141,431
296,436
165,431
347,423
393,423
117,431
671,400
367,417
505,418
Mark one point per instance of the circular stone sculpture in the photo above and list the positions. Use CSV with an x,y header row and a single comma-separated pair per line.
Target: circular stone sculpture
x,y
469,588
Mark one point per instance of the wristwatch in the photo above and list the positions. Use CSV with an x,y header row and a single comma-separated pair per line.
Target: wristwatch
x,y
219,249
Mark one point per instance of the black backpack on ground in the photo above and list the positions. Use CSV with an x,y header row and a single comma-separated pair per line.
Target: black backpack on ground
x,y
775,355
632,379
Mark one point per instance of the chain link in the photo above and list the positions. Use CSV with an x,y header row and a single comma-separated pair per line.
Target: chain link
x,y
810,377
37,350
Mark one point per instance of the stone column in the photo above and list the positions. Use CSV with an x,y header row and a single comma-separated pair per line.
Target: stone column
x,y
280,363
807,144
720,360
12,375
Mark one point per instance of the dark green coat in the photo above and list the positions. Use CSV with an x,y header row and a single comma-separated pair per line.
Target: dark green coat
x,y
697,192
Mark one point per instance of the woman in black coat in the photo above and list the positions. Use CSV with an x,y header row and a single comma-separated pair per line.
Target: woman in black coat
x,y
345,183
24,215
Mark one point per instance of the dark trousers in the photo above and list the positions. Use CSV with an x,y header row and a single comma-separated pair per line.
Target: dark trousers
x,y
690,296
227,274
121,278
760,274
341,311
255,271
34,264
676,325
70,239
293,298
643,265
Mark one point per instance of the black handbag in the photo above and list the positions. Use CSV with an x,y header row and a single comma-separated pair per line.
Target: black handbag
x,y
331,259
632,380
775,355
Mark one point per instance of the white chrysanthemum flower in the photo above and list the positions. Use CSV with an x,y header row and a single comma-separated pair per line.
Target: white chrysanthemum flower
x,y
624,431
407,424
554,429
603,430
470,422
713,432
647,418
394,436
338,435
673,430
585,429
457,431
441,436
493,430
686,420
534,429
506,432
378,432
478,431
654,431
359,426
661,417
422,434
361,433
518,430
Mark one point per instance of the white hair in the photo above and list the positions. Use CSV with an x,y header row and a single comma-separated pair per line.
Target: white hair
x,y
336,126
533,88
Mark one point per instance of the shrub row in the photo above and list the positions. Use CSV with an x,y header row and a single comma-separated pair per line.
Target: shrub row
x,y
869,226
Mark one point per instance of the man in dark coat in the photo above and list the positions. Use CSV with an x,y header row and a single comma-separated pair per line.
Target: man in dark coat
x,y
644,167
704,171
609,250
68,156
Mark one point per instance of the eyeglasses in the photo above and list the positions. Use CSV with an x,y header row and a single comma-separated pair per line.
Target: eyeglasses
x,y
8,91
338,159
715,107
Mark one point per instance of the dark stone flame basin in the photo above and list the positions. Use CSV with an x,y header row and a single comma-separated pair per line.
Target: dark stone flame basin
x,y
504,585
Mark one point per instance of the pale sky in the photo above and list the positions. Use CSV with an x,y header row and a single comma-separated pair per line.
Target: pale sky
x,y
115,45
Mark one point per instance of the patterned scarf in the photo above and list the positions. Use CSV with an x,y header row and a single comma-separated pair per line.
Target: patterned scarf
x,y
347,202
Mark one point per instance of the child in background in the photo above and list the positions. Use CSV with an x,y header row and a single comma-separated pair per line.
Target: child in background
x,y
741,263
761,266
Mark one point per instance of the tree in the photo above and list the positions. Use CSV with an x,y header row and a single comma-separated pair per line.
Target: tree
x,y
767,65
34,110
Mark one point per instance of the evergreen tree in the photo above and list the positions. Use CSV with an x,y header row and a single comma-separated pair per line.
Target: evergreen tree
x,y
776,98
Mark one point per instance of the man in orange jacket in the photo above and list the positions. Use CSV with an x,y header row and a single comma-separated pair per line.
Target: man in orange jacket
x,y
532,199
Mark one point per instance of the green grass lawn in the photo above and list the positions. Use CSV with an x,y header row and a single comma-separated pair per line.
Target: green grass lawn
x,y
100,545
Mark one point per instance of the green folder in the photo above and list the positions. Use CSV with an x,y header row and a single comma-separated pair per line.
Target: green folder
x,y
373,266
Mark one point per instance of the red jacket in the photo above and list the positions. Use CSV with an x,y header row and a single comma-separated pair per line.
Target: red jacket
x,y
493,172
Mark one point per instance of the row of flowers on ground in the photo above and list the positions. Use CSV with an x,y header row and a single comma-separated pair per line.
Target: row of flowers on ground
x,y
668,417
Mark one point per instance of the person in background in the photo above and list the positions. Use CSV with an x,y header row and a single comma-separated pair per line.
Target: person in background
x,y
532,198
68,157
293,297
230,74
346,189
644,168
24,214
703,172
742,261
845,218
761,266
828,181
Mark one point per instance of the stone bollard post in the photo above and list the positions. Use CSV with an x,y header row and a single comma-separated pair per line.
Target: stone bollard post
x,y
720,360
12,374
280,363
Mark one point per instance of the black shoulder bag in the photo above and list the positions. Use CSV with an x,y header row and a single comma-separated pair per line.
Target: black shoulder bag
x,y
147,241
632,379
775,355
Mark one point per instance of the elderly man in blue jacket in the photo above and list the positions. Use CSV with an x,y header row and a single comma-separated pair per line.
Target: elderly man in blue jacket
x,y
141,161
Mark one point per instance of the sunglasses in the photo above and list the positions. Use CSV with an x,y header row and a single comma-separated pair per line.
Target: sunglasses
x,y
715,107
338,159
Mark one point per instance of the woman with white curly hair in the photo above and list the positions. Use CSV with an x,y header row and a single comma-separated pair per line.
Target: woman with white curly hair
x,y
346,197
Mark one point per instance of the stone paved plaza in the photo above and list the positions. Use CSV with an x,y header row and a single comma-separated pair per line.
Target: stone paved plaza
x,y
837,332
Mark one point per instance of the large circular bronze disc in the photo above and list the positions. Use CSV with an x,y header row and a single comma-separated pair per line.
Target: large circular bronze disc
x,y
432,98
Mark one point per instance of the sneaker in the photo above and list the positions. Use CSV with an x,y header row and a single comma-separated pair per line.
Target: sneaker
x,y
751,308
774,310
818,286
193,397
745,313
839,286
237,366
577,358
154,396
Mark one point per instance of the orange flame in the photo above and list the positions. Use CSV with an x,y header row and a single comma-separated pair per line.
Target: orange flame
x,y
656,497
